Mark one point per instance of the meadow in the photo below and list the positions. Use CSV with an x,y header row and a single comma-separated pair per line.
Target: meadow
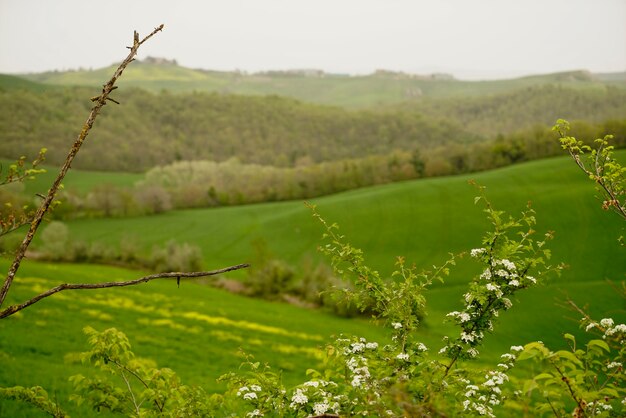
x,y
197,330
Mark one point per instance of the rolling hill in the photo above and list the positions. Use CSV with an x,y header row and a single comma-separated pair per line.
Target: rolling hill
x,y
422,220
196,330
380,88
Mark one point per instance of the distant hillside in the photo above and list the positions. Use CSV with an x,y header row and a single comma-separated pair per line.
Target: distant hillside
x,y
154,129
526,107
380,88
10,82
150,129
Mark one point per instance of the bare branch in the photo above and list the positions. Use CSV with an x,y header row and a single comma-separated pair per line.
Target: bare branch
x,y
45,205
90,286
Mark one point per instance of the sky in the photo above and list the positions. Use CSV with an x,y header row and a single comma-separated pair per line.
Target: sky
x,y
472,39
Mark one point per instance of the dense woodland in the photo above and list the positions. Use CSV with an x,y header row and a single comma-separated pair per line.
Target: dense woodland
x,y
203,149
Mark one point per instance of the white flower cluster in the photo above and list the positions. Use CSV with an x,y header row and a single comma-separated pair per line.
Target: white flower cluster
x,y
359,347
614,365
403,356
610,329
598,407
460,316
421,347
255,413
481,399
360,371
298,399
314,393
396,325
471,336
476,252
249,393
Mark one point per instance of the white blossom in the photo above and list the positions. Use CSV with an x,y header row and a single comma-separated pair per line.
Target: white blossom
x,y
357,347
590,326
507,303
371,346
249,395
514,283
321,407
607,322
477,251
255,413
312,383
494,288
614,364
531,279
502,273
403,356
517,348
421,347
508,264
242,390
472,352
255,388
298,398
396,325
621,328
357,380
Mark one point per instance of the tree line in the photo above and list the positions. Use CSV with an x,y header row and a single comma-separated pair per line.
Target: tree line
x,y
150,130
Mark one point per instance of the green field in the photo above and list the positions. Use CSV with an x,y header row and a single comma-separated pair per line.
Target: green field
x,y
196,330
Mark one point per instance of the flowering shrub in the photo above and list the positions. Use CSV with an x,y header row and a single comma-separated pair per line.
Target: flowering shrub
x,y
403,377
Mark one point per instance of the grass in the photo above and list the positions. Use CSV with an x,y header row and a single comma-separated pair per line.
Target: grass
x,y
422,220
79,181
197,330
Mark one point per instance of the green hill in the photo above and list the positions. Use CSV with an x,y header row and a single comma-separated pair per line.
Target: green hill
x,y
422,220
10,83
156,129
380,88
196,329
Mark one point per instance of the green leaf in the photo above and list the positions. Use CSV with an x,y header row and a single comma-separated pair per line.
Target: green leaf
x,y
599,343
568,355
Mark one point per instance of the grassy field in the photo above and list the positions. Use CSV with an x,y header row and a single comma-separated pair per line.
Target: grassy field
x,y
339,90
422,220
78,181
196,330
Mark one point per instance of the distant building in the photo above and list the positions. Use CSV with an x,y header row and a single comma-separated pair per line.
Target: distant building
x,y
159,61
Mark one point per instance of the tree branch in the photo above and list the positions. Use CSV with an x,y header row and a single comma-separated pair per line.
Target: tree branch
x,y
90,286
45,205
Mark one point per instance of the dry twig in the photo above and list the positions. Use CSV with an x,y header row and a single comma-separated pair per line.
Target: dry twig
x,y
90,286
99,101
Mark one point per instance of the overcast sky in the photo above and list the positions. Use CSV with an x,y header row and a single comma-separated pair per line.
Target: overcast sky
x,y
469,38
